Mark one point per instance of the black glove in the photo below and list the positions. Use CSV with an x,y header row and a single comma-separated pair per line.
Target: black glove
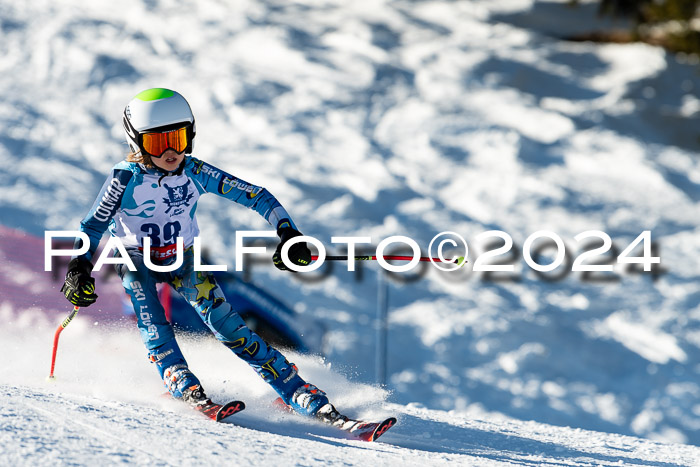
x,y
79,287
298,253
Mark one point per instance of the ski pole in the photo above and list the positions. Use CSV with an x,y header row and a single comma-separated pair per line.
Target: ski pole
x,y
460,260
59,329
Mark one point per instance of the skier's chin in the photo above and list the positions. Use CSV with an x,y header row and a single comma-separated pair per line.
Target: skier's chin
x,y
169,161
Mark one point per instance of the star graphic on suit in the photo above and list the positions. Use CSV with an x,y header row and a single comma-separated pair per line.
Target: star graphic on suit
x,y
204,289
177,282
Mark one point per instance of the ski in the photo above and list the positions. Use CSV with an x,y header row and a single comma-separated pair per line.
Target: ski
x,y
364,431
218,412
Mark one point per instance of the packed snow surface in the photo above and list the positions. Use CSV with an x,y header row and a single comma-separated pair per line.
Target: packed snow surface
x,y
104,408
372,118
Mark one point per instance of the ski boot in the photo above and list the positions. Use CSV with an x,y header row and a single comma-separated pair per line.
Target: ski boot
x,y
311,401
307,399
194,396
329,415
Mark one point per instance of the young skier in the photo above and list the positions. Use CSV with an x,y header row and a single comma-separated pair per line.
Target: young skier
x,y
154,194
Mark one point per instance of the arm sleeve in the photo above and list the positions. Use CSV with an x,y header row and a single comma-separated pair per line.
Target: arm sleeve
x,y
108,201
210,179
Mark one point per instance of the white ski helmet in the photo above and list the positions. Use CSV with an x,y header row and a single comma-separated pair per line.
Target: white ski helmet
x,y
157,110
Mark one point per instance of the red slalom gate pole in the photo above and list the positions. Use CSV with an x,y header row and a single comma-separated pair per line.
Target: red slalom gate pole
x,y
60,329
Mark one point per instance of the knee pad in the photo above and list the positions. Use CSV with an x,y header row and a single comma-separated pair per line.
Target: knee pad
x,y
223,321
247,345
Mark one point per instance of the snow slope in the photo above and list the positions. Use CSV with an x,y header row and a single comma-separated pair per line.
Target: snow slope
x,y
379,118
59,429
103,411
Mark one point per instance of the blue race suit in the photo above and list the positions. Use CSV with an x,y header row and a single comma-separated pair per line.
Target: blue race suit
x,y
137,202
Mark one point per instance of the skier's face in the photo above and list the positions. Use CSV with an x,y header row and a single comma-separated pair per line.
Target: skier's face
x,y
169,161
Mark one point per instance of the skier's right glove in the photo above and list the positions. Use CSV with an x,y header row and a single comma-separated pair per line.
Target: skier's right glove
x,y
298,253
79,287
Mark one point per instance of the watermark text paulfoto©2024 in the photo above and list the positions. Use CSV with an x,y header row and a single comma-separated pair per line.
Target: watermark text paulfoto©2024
x,y
585,261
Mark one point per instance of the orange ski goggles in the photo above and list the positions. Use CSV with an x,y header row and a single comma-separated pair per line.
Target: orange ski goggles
x,y
156,144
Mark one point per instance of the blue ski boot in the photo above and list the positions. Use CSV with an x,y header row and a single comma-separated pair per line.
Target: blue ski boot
x,y
308,399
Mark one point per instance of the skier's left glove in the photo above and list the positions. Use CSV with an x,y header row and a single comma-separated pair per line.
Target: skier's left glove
x,y
298,253
79,287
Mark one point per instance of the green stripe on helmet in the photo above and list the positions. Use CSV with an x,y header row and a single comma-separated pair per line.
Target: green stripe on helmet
x,y
154,94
